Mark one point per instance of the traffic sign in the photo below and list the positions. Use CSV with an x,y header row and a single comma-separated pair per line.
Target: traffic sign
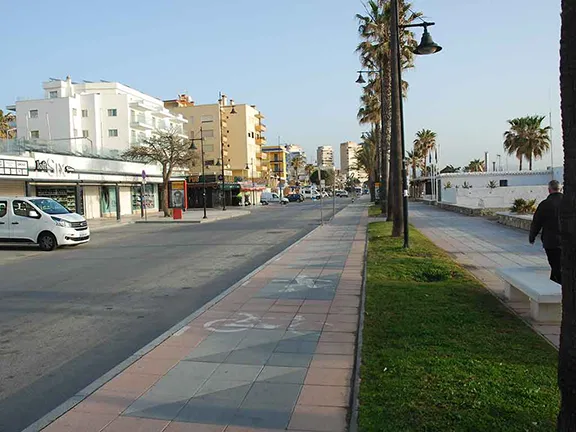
x,y
144,176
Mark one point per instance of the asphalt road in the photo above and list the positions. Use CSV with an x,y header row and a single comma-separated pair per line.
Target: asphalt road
x,y
69,316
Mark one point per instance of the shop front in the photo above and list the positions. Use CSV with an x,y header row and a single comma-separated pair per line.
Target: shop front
x,y
95,188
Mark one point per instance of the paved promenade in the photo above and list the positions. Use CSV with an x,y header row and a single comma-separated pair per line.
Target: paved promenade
x,y
483,246
276,353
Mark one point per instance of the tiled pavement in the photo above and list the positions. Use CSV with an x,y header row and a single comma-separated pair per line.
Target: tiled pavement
x,y
483,246
275,354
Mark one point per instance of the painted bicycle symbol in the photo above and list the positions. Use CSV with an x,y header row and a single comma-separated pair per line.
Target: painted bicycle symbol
x,y
247,321
305,283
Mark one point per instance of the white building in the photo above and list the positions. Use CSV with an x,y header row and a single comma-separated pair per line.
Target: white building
x,y
325,156
348,161
93,117
294,151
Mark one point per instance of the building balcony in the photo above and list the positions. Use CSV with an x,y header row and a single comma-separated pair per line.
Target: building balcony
x,y
261,140
139,106
261,127
259,116
141,123
262,155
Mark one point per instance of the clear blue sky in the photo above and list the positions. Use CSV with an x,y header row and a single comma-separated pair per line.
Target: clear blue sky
x,y
295,60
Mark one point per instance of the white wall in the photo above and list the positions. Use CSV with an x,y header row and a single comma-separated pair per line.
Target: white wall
x,y
501,197
92,202
515,178
125,201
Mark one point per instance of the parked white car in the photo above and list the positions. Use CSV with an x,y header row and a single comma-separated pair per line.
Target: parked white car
x,y
43,221
311,193
271,197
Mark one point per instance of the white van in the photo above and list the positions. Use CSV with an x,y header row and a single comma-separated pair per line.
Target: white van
x,y
42,221
311,193
271,197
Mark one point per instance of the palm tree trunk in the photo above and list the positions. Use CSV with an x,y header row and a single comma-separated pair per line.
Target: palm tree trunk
x,y
520,164
530,161
567,353
385,111
378,166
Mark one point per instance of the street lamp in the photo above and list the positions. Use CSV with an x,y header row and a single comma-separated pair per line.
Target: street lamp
x,y
251,168
221,121
426,46
193,147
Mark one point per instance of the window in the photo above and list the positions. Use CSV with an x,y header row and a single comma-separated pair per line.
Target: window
x,y
85,133
33,114
84,113
53,94
207,118
209,133
3,208
74,112
503,183
208,148
112,133
22,208
113,112
209,162
35,134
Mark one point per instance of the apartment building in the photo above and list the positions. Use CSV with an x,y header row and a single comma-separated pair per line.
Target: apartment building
x,y
295,151
348,161
277,162
325,156
232,132
100,118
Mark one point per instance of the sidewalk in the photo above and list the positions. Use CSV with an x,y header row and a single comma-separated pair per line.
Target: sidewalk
x,y
189,216
483,246
275,353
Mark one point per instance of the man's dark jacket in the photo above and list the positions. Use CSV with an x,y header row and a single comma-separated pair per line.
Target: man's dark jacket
x,y
547,219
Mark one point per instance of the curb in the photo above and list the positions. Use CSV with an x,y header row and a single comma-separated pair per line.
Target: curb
x,y
355,393
66,406
176,222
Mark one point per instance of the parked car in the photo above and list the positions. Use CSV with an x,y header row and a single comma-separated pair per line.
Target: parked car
x,y
42,221
342,194
311,193
271,197
295,197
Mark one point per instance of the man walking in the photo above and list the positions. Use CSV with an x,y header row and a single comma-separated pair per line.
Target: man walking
x,y
547,220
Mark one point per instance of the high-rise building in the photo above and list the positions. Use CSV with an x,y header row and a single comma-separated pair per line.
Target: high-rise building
x,y
238,136
349,162
325,156
93,117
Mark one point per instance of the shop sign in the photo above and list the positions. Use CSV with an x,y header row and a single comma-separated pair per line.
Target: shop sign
x,y
53,168
12,167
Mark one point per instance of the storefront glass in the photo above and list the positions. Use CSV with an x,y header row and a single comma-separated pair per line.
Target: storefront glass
x,y
149,197
108,200
65,195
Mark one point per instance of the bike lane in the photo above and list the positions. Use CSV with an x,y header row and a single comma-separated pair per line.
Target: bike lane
x,y
276,353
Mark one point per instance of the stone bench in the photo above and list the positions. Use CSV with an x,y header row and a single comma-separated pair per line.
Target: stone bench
x,y
533,286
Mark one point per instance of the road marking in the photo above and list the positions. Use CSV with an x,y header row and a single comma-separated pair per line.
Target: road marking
x,y
228,325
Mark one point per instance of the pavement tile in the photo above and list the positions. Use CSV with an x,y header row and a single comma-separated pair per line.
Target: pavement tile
x,y
236,372
152,366
106,402
335,348
281,374
329,336
216,389
124,424
341,327
313,309
296,346
267,394
332,361
334,317
131,382
249,356
270,417
290,360
169,352
329,377
193,427
318,419
74,421
284,309
289,302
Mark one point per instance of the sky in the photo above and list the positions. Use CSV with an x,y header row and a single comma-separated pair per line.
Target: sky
x,y
295,60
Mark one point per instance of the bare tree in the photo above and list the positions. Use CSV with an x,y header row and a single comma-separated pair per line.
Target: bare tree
x,y
168,149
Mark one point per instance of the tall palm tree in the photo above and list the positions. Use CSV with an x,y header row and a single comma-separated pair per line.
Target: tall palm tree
x,y
476,165
527,138
567,352
6,125
425,143
297,163
374,50
366,159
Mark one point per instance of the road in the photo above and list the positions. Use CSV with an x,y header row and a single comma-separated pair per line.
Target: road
x,y
69,316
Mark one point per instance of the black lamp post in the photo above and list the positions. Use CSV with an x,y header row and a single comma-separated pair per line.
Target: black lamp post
x,y
222,163
251,168
201,139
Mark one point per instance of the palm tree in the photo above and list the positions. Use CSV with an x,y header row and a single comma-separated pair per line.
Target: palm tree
x,y
425,143
6,125
366,159
415,160
567,352
449,169
374,50
476,165
297,163
527,139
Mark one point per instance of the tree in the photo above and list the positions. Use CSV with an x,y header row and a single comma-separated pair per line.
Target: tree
x,y
527,139
567,353
476,165
449,169
425,143
327,175
297,163
415,160
168,149
6,125
366,160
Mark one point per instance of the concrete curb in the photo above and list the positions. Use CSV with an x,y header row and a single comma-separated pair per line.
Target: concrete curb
x,y
355,393
91,388
182,221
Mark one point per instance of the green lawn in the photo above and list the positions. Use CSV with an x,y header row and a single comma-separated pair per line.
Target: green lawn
x,y
374,210
440,353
